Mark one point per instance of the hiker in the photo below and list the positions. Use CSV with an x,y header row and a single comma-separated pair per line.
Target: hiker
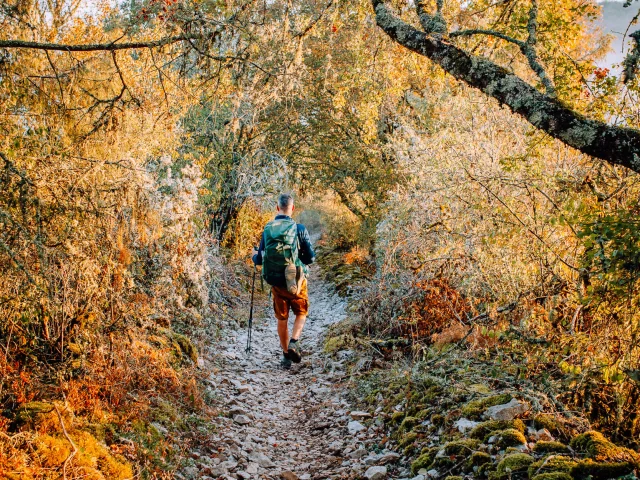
x,y
285,251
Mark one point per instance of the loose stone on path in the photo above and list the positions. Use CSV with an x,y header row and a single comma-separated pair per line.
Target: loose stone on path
x,y
290,425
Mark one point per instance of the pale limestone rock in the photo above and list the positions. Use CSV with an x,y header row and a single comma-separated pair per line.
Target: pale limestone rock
x,y
359,415
261,459
241,419
355,427
389,457
507,411
464,424
376,473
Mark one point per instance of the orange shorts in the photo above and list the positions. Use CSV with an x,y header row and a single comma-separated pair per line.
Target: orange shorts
x,y
283,301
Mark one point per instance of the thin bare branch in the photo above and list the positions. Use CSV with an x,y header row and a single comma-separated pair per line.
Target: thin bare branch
x,y
95,47
314,22
66,435
491,33
529,50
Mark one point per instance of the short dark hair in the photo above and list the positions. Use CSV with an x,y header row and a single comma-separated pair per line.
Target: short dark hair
x,y
285,200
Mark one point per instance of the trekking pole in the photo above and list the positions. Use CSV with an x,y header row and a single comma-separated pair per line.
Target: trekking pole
x,y
253,284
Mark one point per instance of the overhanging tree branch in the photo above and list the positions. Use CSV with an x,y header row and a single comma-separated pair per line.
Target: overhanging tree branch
x,y
528,47
95,47
616,145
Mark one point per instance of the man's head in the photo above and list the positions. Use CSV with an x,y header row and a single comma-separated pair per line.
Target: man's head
x,y
285,204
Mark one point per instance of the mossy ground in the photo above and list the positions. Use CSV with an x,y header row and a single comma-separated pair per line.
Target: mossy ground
x,y
553,476
424,460
601,470
477,459
512,467
407,439
552,464
93,457
339,268
422,405
336,343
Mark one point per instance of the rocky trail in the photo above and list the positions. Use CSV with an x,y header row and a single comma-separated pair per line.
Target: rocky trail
x,y
290,424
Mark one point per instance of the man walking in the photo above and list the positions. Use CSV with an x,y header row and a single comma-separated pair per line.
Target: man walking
x,y
285,251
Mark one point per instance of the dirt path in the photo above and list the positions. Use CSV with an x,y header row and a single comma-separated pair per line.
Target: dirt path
x,y
295,421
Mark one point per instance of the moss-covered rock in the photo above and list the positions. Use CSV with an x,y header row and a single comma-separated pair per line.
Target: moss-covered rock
x,y
601,470
103,432
396,418
461,447
486,469
544,447
333,344
432,393
595,446
550,422
408,423
484,429
513,467
553,476
424,460
443,463
509,437
476,460
453,477
75,348
423,414
475,408
437,419
410,450
407,439
29,413
183,346
479,458
552,464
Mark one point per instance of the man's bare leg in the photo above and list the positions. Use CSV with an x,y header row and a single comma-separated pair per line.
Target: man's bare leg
x,y
298,325
283,333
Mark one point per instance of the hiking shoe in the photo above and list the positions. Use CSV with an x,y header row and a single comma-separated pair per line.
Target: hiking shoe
x,y
295,352
290,272
285,363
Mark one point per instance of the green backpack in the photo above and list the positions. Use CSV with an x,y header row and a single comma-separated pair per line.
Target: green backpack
x,y
281,247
